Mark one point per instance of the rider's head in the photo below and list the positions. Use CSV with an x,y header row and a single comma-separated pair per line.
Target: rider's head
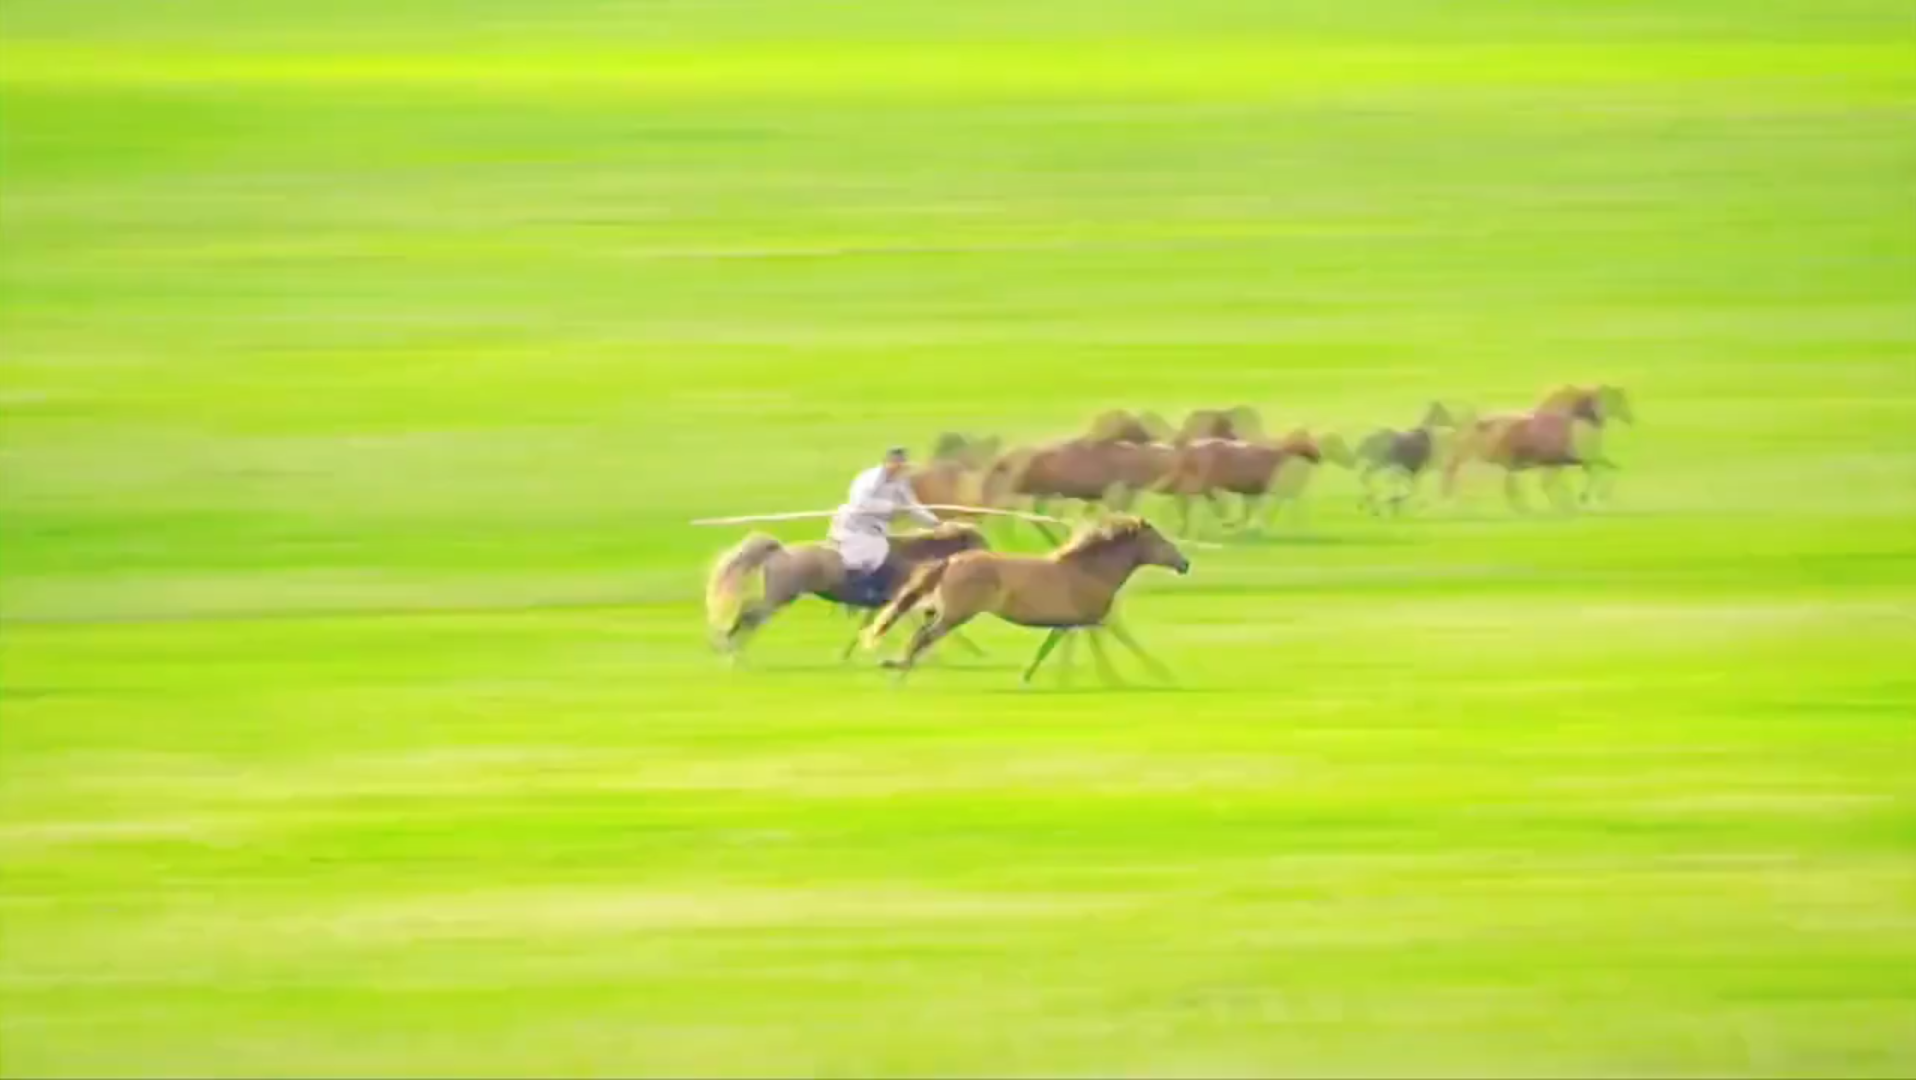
x,y
895,461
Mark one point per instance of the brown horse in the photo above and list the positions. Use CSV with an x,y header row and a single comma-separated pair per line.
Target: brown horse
x,y
1596,405
956,473
1108,474
1241,422
1071,589
1566,432
965,450
1402,456
792,572
1118,425
1266,474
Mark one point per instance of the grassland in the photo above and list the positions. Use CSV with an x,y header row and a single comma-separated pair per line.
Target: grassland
x,y
360,365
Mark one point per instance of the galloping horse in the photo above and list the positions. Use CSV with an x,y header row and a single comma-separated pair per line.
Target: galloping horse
x,y
1103,473
1069,590
792,572
956,472
1266,473
1117,425
1240,422
1566,430
1401,455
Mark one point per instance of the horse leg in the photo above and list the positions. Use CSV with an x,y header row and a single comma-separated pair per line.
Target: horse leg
x,y
1249,521
852,646
1409,492
927,635
1125,639
1066,657
1591,478
1105,671
1217,507
1040,505
969,645
1554,490
1513,491
1050,642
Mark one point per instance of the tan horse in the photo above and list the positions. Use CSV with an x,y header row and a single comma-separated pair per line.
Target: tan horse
x,y
792,572
964,450
1266,474
1241,422
1565,432
1118,425
1402,456
1069,590
1108,474
1598,405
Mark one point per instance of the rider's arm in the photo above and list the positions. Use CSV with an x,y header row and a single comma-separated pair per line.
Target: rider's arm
x,y
907,501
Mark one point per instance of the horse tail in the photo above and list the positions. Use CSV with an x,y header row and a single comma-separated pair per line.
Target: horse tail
x,y
923,582
729,575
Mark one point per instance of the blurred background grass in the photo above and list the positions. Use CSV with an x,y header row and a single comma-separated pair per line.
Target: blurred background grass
x,y
361,363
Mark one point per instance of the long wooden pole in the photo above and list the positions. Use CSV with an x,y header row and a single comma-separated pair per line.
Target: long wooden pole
x,y
801,515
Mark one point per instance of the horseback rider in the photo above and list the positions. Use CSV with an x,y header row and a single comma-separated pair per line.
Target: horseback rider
x,y
858,528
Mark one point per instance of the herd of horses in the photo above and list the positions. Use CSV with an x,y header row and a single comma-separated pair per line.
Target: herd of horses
x,y
1220,455
950,574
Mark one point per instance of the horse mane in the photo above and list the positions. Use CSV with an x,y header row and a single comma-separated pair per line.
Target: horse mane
x,y
1114,530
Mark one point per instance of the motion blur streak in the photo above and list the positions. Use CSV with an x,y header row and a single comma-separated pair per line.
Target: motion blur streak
x,y
361,363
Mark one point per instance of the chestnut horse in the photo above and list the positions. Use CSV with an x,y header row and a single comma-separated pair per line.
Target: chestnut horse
x,y
1069,590
1267,474
1565,431
1108,474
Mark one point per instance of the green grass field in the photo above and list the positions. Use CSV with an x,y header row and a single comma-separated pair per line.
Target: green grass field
x,y
360,365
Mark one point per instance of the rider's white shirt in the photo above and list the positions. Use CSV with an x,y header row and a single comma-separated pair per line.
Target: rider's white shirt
x,y
858,528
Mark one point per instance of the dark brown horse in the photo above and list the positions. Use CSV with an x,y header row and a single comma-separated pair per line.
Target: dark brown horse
x,y
1567,432
792,572
1402,456
1265,474
1072,589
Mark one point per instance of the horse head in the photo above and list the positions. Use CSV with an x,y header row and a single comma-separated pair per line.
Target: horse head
x,y
1156,549
1615,404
